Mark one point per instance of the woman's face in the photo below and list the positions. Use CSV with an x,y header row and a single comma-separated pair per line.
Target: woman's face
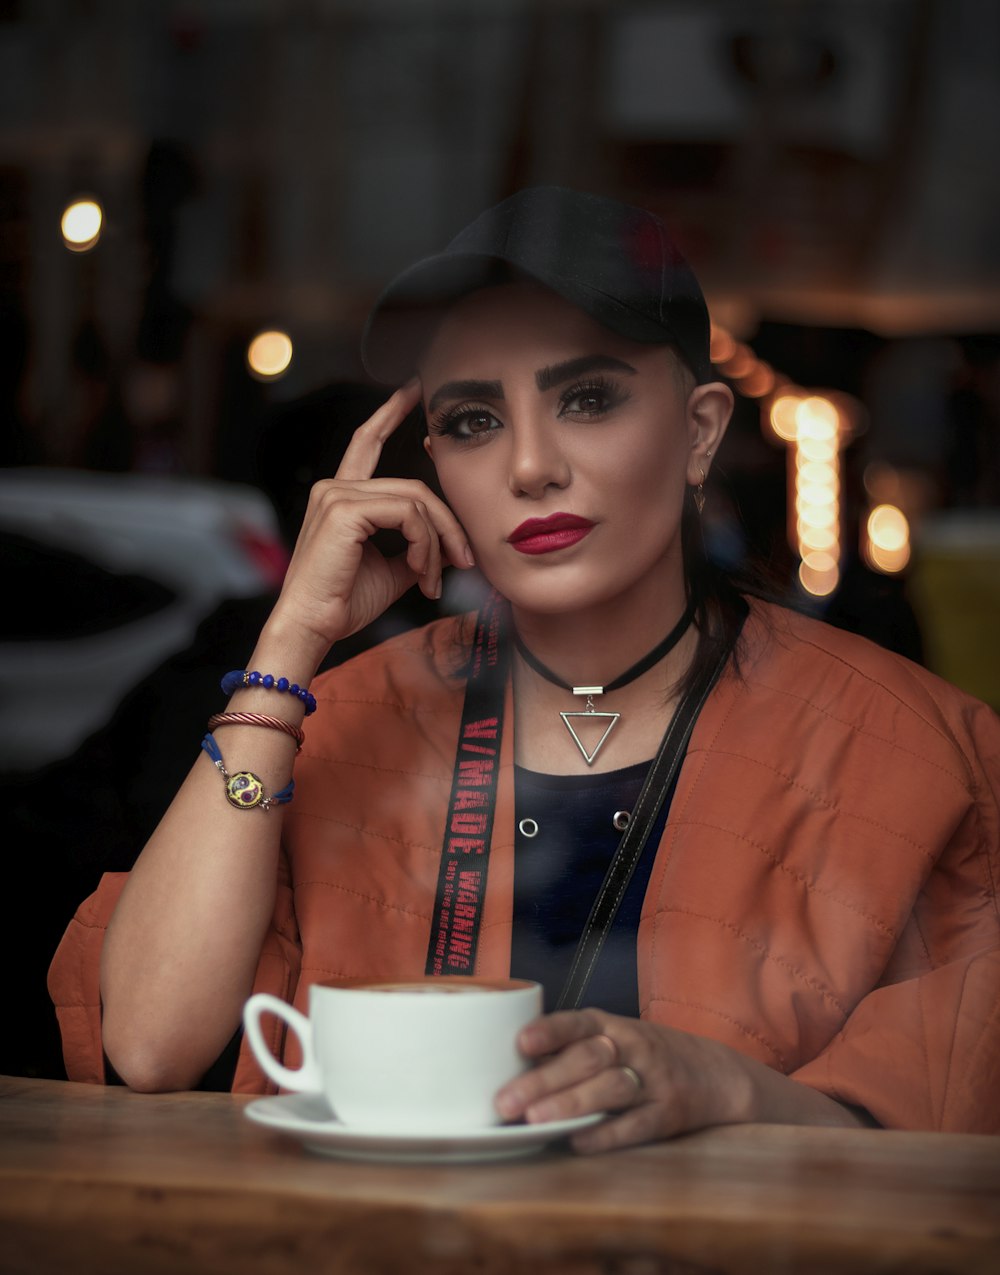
x,y
563,449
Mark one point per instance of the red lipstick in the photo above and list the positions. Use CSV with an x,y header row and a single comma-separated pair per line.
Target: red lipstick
x,y
546,535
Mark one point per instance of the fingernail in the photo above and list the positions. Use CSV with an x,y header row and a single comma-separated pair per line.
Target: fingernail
x,y
468,556
437,590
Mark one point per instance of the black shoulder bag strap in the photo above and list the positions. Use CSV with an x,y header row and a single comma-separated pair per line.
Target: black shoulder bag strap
x,y
661,775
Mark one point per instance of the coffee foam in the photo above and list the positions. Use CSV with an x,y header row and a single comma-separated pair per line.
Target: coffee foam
x,y
433,986
422,989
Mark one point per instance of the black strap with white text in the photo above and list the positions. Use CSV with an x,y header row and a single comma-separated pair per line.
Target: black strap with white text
x,y
461,888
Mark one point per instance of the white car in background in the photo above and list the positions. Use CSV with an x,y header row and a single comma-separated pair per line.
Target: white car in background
x,y
106,576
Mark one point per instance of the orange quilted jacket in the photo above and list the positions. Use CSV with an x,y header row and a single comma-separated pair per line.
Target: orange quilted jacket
x,y
824,897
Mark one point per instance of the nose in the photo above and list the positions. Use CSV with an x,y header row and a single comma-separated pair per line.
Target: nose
x,y
537,461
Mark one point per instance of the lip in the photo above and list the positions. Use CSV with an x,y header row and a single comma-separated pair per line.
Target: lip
x,y
547,535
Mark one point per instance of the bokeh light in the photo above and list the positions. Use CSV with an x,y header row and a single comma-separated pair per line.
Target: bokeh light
x,y
817,491
887,544
269,354
819,574
782,418
81,224
816,417
740,363
723,345
760,380
887,527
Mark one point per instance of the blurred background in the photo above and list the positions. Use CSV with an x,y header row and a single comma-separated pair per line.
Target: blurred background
x,y
200,201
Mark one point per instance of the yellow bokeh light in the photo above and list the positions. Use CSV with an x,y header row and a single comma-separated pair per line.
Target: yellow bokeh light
x,y
888,528
818,515
821,449
816,417
782,416
817,494
819,574
824,538
269,354
815,471
888,561
81,224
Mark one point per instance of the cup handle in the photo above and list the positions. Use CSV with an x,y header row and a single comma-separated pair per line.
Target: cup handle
x,y
307,1079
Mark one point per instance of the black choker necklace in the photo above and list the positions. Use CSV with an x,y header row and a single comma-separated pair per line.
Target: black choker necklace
x,y
588,711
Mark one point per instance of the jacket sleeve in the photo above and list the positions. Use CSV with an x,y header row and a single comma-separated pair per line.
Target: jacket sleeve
x,y
74,981
922,1049
922,1054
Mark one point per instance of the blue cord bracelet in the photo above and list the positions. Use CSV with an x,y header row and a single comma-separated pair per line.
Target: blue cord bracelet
x,y
244,790
240,678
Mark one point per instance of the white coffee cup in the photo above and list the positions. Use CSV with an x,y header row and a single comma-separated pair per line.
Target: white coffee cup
x,y
418,1056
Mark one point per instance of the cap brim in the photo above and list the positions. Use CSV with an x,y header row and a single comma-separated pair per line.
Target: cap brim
x,y
405,316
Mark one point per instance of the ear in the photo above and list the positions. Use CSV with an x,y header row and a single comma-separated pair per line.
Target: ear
x,y
709,409
427,447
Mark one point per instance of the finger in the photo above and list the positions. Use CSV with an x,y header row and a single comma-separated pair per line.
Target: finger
x,y
579,1061
453,540
354,516
612,1089
455,543
647,1123
365,448
424,557
552,1032
423,548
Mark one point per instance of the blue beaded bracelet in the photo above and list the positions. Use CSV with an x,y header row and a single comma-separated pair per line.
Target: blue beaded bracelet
x,y
244,790
239,678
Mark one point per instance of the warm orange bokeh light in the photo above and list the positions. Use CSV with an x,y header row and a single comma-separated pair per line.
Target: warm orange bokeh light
x,y
886,546
782,417
81,224
269,354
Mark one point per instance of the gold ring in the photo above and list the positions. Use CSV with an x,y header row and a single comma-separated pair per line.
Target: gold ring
x,y
615,1055
634,1076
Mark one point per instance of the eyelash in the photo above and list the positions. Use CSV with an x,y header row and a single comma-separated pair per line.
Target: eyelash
x,y
449,421
611,392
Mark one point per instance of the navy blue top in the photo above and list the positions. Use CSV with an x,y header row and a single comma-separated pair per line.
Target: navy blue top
x,y
557,875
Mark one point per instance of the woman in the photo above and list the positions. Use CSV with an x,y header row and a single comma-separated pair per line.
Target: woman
x,y
809,933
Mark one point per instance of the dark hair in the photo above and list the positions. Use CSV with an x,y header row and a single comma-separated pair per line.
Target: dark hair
x,y
719,609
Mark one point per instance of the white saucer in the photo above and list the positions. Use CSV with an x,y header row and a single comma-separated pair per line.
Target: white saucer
x,y
308,1118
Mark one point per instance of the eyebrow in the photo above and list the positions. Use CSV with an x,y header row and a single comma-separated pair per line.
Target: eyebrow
x,y
464,389
545,379
558,373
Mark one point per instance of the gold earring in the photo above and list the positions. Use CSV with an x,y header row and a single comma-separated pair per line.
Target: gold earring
x,y
699,493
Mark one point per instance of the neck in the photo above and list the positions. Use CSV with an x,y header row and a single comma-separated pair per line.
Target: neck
x,y
596,645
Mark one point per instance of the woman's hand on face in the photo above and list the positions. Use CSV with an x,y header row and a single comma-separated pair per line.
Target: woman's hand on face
x,y
337,581
653,1081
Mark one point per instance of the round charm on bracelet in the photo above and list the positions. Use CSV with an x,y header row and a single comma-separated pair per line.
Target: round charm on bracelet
x,y
244,790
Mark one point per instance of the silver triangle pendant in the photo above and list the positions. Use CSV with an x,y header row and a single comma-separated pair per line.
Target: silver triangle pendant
x,y
590,714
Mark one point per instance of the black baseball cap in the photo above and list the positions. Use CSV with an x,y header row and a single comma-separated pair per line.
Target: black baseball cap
x,y
618,263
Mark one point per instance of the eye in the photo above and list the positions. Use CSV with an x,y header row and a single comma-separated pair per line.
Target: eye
x,y
592,399
465,422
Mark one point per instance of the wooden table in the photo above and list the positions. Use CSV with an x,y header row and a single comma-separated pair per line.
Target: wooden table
x,y
108,1181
